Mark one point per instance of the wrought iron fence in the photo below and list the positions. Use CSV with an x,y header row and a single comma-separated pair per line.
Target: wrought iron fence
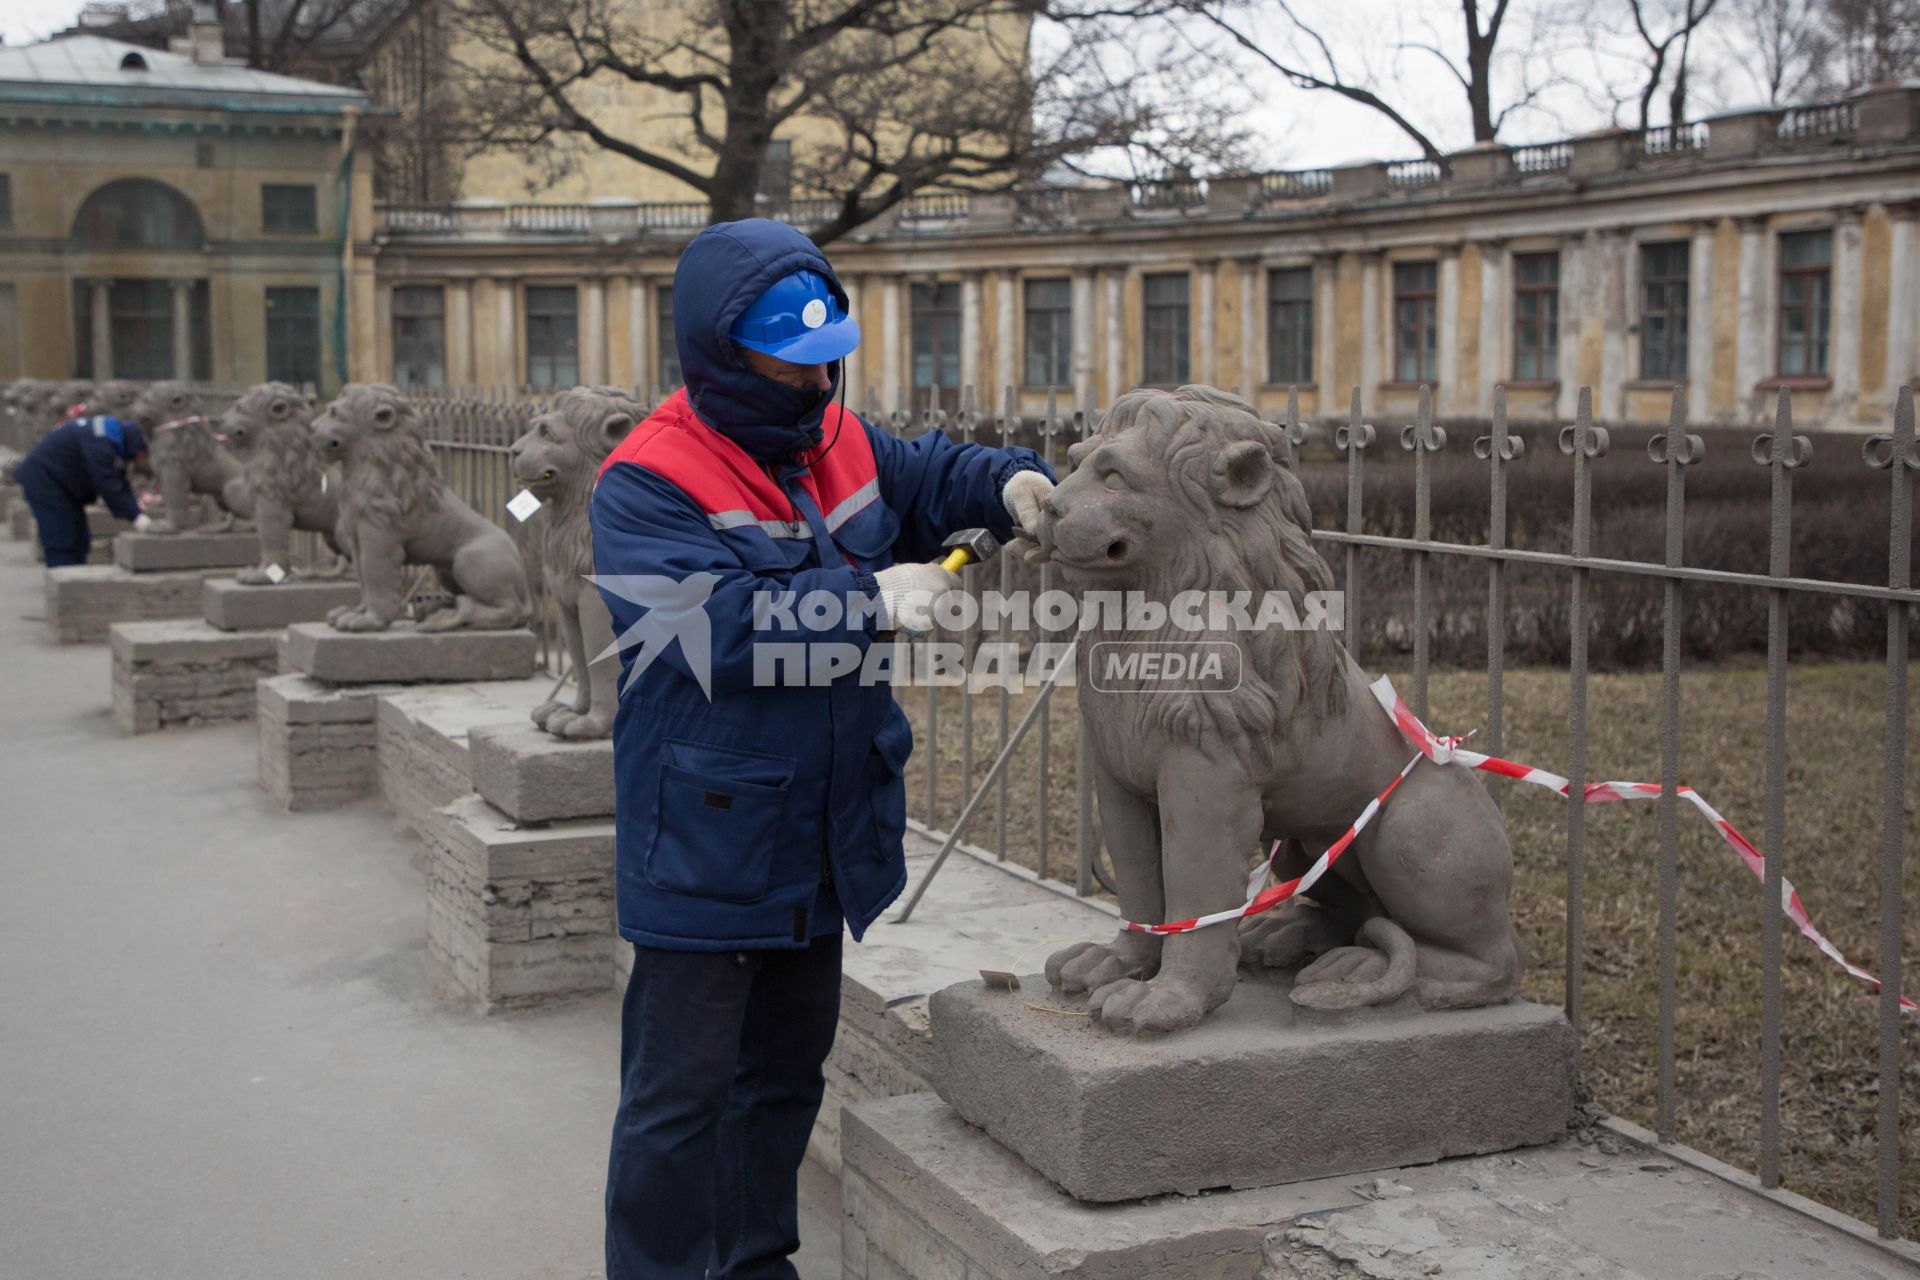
x,y
948,811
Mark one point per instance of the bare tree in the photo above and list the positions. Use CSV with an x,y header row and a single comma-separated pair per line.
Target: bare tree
x,y
1650,17
1782,45
879,99
1879,39
291,36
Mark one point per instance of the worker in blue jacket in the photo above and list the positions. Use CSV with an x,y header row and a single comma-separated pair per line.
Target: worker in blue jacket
x,y
756,817
83,460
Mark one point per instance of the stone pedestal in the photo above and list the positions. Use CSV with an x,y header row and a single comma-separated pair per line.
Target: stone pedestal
x,y
532,777
235,606
518,915
403,654
158,552
423,734
1110,1117
82,601
175,674
316,741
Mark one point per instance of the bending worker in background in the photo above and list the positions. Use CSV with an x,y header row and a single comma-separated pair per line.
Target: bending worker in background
x,y
754,822
82,460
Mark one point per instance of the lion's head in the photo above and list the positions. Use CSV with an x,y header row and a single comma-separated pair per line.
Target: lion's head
x,y
390,471
558,460
160,402
268,409
67,395
116,397
1190,491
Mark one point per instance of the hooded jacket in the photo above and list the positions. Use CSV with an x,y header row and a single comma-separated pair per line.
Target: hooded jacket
x,y
83,460
754,813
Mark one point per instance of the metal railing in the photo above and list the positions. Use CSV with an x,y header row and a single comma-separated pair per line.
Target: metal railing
x,y
1779,454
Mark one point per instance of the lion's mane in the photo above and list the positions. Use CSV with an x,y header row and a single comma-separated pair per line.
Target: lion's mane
x,y
391,476
566,542
283,460
177,446
1225,549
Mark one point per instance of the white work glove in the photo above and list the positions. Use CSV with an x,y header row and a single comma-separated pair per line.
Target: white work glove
x,y
143,523
907,593
1025,493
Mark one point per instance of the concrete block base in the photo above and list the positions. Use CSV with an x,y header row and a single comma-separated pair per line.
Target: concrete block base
x,y
176,674
316,741
161,552
518,917
1110,1117
421,733
84,600
407,655
532,776
235,606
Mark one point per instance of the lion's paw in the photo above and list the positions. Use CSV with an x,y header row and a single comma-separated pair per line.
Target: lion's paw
x,y
1291,936
1164,1004
256,576
1086,966
1340,979
544,712
360,620
578,726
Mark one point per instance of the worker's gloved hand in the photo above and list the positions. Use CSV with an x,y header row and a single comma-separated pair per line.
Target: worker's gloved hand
x,y
907,593
143,523
1025,493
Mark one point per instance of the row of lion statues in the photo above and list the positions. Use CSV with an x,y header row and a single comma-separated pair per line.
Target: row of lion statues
x,y
361,474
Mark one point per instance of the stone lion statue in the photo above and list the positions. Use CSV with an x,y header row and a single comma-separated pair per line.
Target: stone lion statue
x,y
558,460
270,428
1189,490
395,510
189,459
116,396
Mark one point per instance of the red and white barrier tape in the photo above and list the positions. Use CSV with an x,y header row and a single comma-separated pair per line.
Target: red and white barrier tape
x,y
192,421
1447,751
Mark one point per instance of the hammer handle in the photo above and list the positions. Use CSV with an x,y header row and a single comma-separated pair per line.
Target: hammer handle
x,y
957,559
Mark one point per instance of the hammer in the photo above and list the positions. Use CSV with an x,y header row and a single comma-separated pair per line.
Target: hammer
x,y
969,546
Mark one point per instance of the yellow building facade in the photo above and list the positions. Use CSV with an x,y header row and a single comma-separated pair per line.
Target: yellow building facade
x,y
1756,250
168,214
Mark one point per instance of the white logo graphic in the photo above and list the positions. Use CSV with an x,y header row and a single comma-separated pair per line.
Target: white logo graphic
x,y
814,314
674,611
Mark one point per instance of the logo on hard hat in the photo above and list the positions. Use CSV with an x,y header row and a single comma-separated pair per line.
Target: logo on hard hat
x,y
815,314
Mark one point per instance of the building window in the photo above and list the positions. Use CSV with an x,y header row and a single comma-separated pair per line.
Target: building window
x,y
553,335
287,209
776,175
1664,286
1290,325
666,350
936,346
1049,307
141,325
1536,317
293,335
6,202
135,213
1166,319
1806,302
419,336
1415,338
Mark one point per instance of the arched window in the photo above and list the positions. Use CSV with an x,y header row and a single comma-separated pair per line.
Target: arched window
x,y
135,213
133,62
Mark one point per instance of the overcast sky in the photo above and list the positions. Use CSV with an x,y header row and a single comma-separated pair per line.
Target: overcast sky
x,y
1559,48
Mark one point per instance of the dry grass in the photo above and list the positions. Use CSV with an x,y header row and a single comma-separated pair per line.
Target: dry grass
x,y
1833,841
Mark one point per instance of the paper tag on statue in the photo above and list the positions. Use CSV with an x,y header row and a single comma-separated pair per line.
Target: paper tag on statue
x,y
999,980
276,575
325,476
523,506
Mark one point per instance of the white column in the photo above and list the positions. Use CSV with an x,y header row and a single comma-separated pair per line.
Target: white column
x,y
459,308
1751,361
507,357
1370,331
1576,259
893,353
970,303
1611,394
1843,359
1903,302
1082,335
1493,312
102,326
593,337
853,367
1447,314
1700,325
183,328
1007,370
1326,284
1116,335
383,331
1252,367
639,326
1205,344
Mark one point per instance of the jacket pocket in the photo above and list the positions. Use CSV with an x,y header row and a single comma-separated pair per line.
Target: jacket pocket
x,y
867,539
886,783
718,820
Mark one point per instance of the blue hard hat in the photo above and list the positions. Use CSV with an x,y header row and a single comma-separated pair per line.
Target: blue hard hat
x,y
798,319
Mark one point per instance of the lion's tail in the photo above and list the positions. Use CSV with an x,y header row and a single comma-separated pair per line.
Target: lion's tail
x,y
1397,946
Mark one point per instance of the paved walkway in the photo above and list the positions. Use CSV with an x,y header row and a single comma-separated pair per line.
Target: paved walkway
x,y
219,1056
